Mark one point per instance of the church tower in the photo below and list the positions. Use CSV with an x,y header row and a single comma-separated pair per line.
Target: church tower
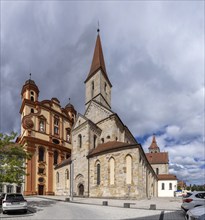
x,y
97,83
154,147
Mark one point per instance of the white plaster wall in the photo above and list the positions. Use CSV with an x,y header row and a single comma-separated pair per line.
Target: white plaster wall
x,y
166,192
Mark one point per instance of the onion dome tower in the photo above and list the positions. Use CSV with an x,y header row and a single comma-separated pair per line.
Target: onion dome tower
x,y
30,90
71,111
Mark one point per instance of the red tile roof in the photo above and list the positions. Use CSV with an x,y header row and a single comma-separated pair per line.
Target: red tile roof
x,y
166,177
109,146
157,158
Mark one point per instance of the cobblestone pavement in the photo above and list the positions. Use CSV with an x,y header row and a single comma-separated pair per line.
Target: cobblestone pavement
x,y
55,207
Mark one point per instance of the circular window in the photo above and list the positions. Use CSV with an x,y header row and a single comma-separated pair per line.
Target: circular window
x,y
41,179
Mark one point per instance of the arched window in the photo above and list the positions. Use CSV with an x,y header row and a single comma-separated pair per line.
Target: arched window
x,y
98,174
41,152
162,186
32,96
157,171
66,178
68,134
56,125
57,177
170,186
32,110
79,140
67,174
128,169
42,125
94,141
55,157
112,171
92,89
102,140
105,88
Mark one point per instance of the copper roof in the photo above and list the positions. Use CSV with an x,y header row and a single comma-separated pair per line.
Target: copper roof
x,y
154,144
166,177
109,146
98,61
157,158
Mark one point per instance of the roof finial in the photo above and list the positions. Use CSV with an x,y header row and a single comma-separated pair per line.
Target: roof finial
x,y
30,76
69,100
98,30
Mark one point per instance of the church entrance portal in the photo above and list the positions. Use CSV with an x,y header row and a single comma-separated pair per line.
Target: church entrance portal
x,y
80,190
40,189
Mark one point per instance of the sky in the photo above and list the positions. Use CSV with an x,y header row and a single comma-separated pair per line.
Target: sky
x,y
154,56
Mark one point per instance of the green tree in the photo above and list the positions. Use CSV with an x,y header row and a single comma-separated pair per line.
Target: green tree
x,y
12,160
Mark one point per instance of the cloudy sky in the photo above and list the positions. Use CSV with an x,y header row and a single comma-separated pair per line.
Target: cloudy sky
x,y
154,55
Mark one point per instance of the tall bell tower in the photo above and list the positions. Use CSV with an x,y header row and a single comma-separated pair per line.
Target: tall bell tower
x,y
97,83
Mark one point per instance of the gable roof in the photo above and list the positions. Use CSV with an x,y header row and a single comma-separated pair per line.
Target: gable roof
x,y
166,177
63,163
98,61
110,146
157,158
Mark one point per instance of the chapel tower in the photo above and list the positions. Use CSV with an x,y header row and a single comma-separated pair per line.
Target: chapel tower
x,y
97,83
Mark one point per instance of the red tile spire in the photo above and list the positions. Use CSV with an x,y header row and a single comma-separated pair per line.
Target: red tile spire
x,y
98,60
154,145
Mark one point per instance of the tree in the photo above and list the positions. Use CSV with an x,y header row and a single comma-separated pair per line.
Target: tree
x,y
12,160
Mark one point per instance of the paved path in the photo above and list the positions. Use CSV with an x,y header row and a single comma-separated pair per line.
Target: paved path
x,y
168,204
55,207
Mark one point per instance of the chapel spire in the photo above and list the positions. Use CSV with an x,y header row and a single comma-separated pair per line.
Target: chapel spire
x,y
98,62
154,147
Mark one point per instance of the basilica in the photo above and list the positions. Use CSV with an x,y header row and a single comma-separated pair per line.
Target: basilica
x,y
90,154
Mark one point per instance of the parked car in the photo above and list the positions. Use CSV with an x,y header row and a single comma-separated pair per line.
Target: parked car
x,y
2,197
193,199
197,213
14,202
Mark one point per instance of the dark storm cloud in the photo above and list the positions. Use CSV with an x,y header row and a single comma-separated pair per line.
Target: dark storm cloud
x,y
154,58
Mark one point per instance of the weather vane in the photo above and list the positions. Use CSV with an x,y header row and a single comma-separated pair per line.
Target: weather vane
x,y
98,30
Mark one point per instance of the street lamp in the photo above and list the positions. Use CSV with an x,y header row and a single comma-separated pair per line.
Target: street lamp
x,y
72,177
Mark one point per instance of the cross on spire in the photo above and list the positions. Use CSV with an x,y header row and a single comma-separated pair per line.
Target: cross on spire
x,y
98,30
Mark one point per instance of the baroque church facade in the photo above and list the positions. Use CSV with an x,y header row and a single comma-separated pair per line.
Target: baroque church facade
x,y
46,134
106,160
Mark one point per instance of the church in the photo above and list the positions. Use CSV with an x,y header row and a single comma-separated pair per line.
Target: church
x,y
106,160
93,154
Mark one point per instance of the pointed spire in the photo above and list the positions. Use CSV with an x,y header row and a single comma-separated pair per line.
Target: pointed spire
x,y
154,145
98,60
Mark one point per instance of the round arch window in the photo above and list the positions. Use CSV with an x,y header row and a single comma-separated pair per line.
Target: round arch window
x,y
41,179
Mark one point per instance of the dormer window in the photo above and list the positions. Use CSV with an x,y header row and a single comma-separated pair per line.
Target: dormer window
x,y
56,126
